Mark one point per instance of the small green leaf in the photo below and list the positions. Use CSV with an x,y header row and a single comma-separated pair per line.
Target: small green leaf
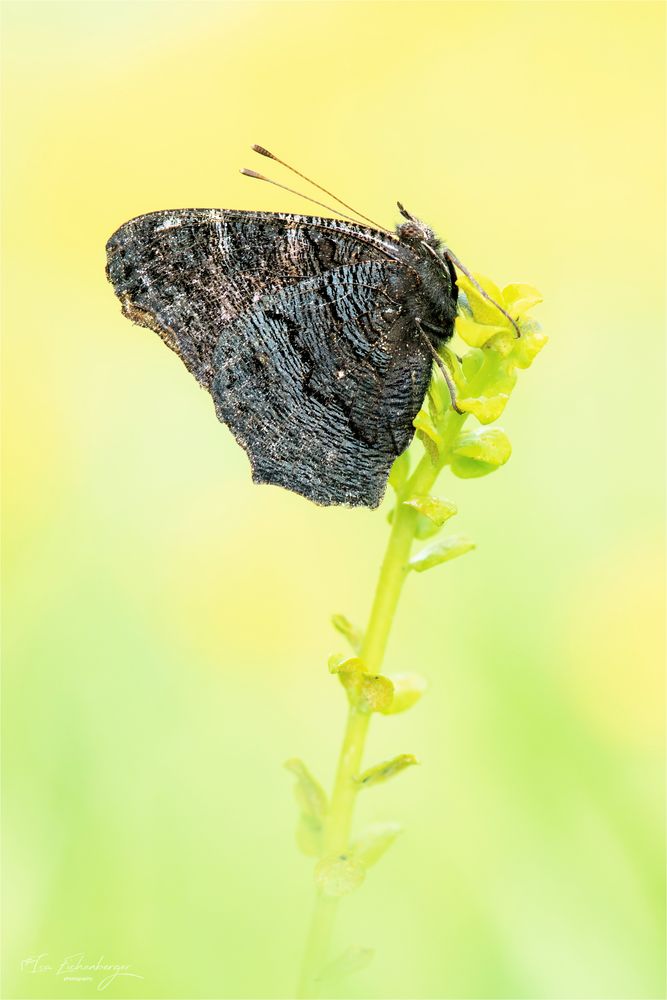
x,y
374,841
440,552
423,422
519,299
468,468
408,689
353,959
477,453
374,693
483,311
434,401
476,334
439,399
339,875
436,510
340,663
353,635
425,528
502,343
485,408
501,376
387,769
428,435
312,801
309,836
529,344
472,362
369,692
429,447
309,793
400,470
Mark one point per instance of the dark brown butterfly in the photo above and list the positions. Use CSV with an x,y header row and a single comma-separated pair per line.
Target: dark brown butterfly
x,y
314,336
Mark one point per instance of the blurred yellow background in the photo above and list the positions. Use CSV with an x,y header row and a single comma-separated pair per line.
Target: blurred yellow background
x,y
167,622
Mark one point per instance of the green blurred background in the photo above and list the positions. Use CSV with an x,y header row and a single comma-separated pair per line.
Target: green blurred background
x,y
167,622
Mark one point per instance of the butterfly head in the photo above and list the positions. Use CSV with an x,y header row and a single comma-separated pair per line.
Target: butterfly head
x,y
415,231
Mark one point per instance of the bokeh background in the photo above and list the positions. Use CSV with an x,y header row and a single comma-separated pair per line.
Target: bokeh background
x,y
167,622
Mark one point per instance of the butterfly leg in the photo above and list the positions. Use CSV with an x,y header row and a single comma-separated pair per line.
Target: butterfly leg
x,y
438,329
446,374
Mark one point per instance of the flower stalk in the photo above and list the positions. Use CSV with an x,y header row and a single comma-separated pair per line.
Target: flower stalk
x,y
484,379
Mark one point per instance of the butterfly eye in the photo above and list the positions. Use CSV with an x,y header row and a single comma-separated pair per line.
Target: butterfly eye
x,y
412,230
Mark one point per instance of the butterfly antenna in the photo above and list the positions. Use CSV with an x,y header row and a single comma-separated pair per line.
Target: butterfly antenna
x,y
265,152
261,177
485,295
404,212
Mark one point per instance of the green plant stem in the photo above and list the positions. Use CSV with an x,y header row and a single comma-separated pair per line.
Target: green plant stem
x,y
390,582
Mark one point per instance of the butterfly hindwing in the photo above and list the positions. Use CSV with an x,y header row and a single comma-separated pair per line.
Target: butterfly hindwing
x,y
296,326
303,378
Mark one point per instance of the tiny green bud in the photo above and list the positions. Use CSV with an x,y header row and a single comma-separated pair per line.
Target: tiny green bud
x,y
374,841
375,693
436,406
519,298
432,514
484,312
436,510
312,801
474,333
309,836
386,769
339,875
408,689
477,453
428,435
309,793
338,663
440,552
529,345
503,342
369,692
400,470
425,528
472,362
353,634
430,448
353,959
439,398
485,408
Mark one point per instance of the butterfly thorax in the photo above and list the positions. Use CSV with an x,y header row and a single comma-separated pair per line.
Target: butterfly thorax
x,y
435,300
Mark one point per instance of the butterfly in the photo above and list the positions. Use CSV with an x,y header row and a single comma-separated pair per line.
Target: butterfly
x,y
315,336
